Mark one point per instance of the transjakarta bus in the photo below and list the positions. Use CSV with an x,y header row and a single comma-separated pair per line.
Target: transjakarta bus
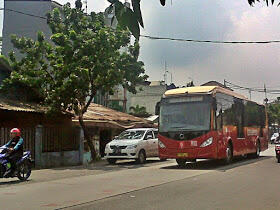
x,y
210,122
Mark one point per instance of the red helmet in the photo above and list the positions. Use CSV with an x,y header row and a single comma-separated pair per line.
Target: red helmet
x,y
16,131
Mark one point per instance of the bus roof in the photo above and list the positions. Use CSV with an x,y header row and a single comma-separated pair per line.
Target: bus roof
x,y
210,90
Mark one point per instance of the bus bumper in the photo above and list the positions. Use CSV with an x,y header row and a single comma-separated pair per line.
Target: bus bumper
x,y
209,152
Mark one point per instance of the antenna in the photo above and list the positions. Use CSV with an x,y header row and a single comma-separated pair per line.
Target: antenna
x,y
165,71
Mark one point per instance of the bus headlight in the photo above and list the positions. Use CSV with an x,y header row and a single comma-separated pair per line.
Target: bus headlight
x,y
160,144
207,142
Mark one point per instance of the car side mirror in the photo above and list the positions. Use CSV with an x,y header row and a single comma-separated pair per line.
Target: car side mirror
x,y
149,137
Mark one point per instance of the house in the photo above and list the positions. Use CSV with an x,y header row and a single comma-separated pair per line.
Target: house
x,y
215,83
104,123
51,139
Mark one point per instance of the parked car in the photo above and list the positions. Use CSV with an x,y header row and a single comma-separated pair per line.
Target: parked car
x,y
138,144
274,137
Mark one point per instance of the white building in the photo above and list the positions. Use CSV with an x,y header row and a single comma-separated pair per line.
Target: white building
x,y
148,95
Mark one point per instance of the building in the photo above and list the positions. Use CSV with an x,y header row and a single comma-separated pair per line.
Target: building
x,y
25,18
215,83
148,95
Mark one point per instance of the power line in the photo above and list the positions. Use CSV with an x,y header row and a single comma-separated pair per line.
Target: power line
x,y
23,13
259,90
172,39
209,41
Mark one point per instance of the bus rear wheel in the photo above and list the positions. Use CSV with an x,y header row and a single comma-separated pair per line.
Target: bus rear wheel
x,y
181,162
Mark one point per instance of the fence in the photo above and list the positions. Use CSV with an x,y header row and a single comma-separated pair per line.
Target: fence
x,y
28,135
58,139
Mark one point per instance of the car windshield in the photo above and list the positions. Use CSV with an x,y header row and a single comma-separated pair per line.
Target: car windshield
x,y
131,134
185,117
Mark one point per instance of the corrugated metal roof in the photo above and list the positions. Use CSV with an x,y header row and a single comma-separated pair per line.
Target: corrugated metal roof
x,y
11,105
98,114
202,90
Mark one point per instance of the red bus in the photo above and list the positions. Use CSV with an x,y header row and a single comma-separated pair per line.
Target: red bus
x,y
209,122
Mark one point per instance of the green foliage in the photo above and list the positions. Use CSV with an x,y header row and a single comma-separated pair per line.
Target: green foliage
x,y
84,57
190,84
116,106
131,19
139,111
251,2
274,113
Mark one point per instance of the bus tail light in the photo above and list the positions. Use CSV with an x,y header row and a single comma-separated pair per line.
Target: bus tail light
x,y
207,142
160,144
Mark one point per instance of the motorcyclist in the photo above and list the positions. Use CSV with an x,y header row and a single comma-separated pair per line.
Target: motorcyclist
x,y
15,150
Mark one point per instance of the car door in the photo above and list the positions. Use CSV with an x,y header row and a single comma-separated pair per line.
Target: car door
x,y
148,139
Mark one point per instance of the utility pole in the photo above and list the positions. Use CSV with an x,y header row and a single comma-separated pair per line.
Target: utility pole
x,y
265,94
250,94
165,72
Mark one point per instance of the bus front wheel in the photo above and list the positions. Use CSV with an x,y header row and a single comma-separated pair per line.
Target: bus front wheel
x,y
181,162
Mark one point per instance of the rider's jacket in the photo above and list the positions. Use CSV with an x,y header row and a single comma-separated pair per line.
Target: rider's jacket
x,y
16,143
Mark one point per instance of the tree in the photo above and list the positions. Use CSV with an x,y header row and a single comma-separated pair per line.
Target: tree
x,y
190,84
132,19
274,113
139,111
84,58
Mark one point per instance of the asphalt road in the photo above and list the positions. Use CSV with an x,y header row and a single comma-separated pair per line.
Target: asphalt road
x,y
245,184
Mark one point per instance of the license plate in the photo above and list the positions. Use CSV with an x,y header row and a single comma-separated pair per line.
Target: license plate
x,y
182,154
117,151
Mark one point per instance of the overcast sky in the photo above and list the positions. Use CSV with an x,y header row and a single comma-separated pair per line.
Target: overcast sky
x,y
246,65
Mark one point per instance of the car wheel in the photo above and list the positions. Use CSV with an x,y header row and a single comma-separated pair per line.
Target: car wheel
x,y
278,160
141,157
112,161
181,162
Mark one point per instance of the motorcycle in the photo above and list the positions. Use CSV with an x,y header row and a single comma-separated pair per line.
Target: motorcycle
x,y
23,166
277,150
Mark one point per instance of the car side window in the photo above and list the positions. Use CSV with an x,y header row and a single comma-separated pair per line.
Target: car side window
x,y
156,134
149,135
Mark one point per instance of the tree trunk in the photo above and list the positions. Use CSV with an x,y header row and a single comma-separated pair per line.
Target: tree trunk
x,y
87,138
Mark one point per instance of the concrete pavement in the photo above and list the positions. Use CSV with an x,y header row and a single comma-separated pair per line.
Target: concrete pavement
x,y
91,191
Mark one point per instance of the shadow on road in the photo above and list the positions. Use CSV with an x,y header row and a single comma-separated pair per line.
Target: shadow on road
x,y
104,166
218,164
11,182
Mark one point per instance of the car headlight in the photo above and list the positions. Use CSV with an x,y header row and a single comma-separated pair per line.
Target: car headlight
x,y
132,146
160,144
207,142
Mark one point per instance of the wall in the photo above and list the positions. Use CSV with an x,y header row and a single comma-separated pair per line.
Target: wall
x,y
147,98
57,159
24,25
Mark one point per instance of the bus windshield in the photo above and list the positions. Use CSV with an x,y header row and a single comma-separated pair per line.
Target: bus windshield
x,y
185,117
